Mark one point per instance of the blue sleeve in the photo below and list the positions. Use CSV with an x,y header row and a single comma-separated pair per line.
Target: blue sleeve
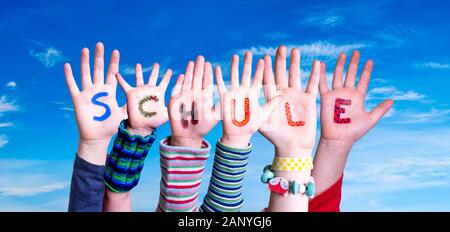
x,y
87,188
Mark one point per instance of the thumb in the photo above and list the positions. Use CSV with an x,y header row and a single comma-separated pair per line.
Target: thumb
x,y
217,111
124,111
377,113
267,109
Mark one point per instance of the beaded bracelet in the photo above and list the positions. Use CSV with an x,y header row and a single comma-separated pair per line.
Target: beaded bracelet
x,y
282,186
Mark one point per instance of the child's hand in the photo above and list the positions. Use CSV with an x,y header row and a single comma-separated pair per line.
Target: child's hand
x,y
241,113
343,118
292,126
97,112
145,103
192,114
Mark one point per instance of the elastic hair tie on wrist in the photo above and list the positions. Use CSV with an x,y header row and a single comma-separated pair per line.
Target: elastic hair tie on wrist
x,y
292,164
283,187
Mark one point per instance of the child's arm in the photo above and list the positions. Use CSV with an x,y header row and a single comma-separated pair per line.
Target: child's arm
x,y
242,116
146,112
292,130
98,116
184,153
343,119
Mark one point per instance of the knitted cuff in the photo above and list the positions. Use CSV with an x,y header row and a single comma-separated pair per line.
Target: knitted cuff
x,y
126,160
181,175
225,188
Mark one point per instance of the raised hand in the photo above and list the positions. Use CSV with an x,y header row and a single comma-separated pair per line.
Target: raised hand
x,y
292,125
145,103
343,117
242,114
97,112
192,114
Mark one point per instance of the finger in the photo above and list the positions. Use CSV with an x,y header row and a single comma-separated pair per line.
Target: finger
x,y
139,75
219,81
122,82
166,79
207,83
259,75
377,113
338,71
217,111
99,64
267,109
234,72
247,71
294,70
153,75
352,70
113,68
268,79
313,82
86,81
363,82
177,88
187,81
198,73
323,84
71,84
280,68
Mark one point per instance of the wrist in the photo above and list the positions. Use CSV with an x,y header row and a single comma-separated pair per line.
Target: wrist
x,y
235,141
281,151
93,151
186,142
338,147
139,131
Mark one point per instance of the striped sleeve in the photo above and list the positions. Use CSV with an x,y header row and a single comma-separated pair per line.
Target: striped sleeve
x,y
225,187
126,160
181,175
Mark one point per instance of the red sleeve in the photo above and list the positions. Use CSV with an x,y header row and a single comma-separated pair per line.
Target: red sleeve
x,y
329,200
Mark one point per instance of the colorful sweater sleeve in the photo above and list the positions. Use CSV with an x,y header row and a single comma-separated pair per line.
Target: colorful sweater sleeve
x,y
225,187
181,176
126,160
329,200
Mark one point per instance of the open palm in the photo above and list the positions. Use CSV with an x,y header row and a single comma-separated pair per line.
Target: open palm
x,y
293,122
145,103
192,114
97,112
242,114
343,117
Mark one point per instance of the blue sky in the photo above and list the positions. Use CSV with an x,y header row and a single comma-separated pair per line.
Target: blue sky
x,y
401,165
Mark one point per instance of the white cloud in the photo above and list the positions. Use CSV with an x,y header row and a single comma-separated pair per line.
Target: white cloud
x,y
433,66
66,108
435,116
6,106
130,70
3,140
11,84
322,50
48,56
276,35
391,164
324,21
395,35
25,178
399,174
28,191
394,94
6,124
